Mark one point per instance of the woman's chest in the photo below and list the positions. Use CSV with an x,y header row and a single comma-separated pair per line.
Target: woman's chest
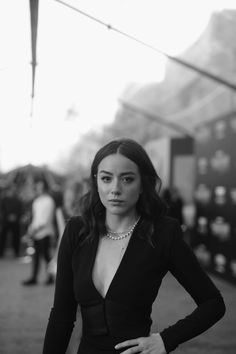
x,y
101,271
107,261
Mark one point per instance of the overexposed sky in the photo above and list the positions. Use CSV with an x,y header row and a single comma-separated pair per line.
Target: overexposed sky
x,y
82,66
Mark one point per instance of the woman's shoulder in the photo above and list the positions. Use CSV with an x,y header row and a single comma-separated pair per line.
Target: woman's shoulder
x,y
74,222
73,228
165,229
166,223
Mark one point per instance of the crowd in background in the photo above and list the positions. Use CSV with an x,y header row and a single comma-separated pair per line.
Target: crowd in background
x,y
31,228
21,220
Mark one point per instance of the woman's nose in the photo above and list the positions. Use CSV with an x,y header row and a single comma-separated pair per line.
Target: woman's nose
x,y
116,187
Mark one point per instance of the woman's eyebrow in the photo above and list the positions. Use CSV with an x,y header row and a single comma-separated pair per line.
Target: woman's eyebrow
x,y
122,174
128,173
103,171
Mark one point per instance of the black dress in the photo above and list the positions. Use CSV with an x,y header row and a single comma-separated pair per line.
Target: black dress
x,y
125,312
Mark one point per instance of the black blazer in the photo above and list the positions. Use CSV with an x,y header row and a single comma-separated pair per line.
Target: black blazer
x,y
129,299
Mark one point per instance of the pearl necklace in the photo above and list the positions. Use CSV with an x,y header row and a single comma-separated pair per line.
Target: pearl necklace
x,y
110,234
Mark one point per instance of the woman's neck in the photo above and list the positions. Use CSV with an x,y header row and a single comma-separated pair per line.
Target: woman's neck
x,y
120,223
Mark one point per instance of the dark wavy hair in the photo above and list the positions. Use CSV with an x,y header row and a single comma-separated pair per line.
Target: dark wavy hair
x,y
150,206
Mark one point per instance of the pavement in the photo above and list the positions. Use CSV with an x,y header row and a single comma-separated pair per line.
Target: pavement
x,y
24,313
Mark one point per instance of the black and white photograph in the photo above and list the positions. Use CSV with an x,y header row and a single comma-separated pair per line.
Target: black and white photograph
x,y
117,177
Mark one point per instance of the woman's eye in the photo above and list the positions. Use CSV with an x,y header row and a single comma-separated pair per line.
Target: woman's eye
x,y
127,179
106,179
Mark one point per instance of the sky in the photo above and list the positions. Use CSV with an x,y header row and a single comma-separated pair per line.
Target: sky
x,y
82,67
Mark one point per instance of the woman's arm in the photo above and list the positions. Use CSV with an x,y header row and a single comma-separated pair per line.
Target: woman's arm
x,y
63,312
185,267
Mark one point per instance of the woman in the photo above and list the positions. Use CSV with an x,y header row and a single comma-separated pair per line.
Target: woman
x,y
113,258
67,206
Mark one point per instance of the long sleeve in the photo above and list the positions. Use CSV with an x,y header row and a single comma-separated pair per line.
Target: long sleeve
x,y
185,267
43,212
63,312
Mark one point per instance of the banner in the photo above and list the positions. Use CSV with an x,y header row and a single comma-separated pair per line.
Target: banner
x,y
215,195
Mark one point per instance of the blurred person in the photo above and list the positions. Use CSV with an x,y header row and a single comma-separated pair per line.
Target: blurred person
x,y
112,260
11,209
41,230
189,221
67,206
166,196
175,203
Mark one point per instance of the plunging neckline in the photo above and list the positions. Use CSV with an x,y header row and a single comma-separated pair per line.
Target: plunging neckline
x,y
118,268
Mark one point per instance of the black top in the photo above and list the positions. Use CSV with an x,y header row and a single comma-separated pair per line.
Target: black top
x,y
11,209
125,311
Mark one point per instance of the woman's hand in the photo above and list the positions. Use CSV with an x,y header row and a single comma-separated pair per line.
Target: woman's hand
x,y
148,345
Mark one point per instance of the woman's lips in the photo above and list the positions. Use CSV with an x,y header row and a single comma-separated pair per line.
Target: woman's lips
x,y
116,201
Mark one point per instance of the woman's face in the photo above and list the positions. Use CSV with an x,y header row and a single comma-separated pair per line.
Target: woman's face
x,y
39,188
119,184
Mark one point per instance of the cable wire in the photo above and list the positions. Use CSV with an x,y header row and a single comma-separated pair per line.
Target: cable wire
x,y
179,61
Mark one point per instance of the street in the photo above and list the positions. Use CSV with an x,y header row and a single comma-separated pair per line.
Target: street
x,y
24,313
